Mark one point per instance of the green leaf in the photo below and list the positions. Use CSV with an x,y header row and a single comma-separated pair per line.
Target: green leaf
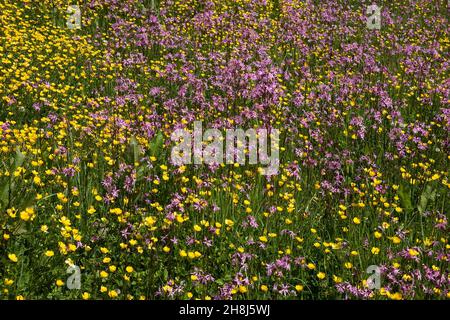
x,y
21,228
24,281
140,173
4,193
134,149
428,194
405,198
19,158
156,144
16,162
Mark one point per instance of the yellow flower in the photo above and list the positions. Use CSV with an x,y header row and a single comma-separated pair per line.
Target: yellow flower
x,y
37,180
264,288
24,216
348,265
395,296
85,295
116,211
337,279
396,240
299,288
194,277
129,269
49,253
356,220
112,294
167,288
13,257
321,275
435,176
243,289
11,212
103,274
59,283
104,250
27,214
263,239
311,266
166,249
375,250
149,221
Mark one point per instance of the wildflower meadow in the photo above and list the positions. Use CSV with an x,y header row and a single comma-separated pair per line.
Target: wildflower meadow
x,y
224,149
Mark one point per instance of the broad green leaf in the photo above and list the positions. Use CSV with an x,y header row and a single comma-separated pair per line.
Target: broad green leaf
x,y
405,197
4,192
134,149
428,194
156,144
19,158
